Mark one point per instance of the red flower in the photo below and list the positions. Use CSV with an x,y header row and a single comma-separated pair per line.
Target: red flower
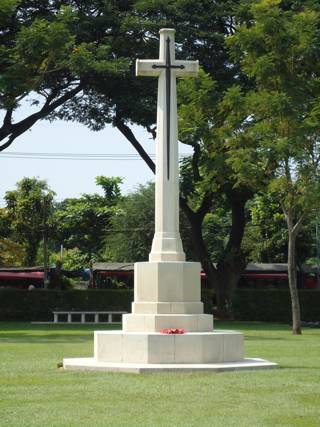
x,y
171,331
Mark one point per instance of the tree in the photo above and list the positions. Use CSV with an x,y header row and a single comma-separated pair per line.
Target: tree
x,y
265,239
73,259
130,235
266,236
132,31
29,209
82,222
281,52
50,53
128,29
225,171
11,253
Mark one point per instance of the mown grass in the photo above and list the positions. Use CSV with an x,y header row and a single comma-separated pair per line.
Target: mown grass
x,y
34,393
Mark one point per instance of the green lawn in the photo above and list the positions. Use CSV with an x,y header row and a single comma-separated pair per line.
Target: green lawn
x,y
33,392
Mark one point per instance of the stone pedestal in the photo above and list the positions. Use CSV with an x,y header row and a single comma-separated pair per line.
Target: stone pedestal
x,y
167,295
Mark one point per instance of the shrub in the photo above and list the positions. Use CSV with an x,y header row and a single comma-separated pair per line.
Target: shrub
x,y
274,305
38,304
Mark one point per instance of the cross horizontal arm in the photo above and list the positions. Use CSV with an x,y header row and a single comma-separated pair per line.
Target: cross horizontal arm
x,y
147,67
190,68
144,67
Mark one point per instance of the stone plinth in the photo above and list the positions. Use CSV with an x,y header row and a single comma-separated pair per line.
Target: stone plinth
x,y
205,347
166,282
167,295
157,322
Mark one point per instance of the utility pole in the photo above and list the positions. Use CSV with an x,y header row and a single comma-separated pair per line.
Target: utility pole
x,y
61,253
45,243
318,250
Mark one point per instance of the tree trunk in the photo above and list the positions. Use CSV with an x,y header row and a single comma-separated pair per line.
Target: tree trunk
x,y
31,246
292,274
223,278
232,261
201,249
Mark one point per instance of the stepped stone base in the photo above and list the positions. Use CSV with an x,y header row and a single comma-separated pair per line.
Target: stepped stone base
x,y
167,295
90,364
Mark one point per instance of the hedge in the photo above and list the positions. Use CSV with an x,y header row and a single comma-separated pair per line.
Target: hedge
x,y
274,305
271,305
38,304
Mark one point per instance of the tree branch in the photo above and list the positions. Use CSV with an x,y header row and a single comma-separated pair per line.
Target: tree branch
x,y
7,144
298,224
7,121
127,132
19,128
195,163
205,205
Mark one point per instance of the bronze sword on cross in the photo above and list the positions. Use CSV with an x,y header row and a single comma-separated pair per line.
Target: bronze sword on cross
x,y
167,63
168,67
167,245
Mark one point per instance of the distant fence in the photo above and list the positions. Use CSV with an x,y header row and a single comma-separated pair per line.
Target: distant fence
x,y
249,304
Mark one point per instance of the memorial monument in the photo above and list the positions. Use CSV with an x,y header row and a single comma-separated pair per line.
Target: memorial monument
x,y
167,329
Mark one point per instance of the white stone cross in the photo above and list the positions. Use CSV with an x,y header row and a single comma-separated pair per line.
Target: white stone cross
x,y
167,244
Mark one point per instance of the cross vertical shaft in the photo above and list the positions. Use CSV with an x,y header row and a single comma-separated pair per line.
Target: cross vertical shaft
x,y
167,245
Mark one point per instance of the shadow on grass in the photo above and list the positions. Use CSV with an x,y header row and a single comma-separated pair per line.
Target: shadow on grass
x,y
26,326
262,338
52,333
301,367
251,326
47,338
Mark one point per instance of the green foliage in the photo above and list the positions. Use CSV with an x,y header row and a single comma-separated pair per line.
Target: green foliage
x,y
45,51
11,253
284,64
73,259
249,304
50,52
265,238
82,223
216,227
274,305
130,236
29,210
39,304
111,187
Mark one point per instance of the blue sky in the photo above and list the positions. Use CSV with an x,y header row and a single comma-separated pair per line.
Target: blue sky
x,y
70,178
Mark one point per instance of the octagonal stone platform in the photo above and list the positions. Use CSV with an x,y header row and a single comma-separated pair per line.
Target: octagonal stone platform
x,y
90,364
136,347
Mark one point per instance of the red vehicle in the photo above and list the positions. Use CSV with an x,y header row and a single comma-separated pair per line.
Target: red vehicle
x,y
115,275
22,278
